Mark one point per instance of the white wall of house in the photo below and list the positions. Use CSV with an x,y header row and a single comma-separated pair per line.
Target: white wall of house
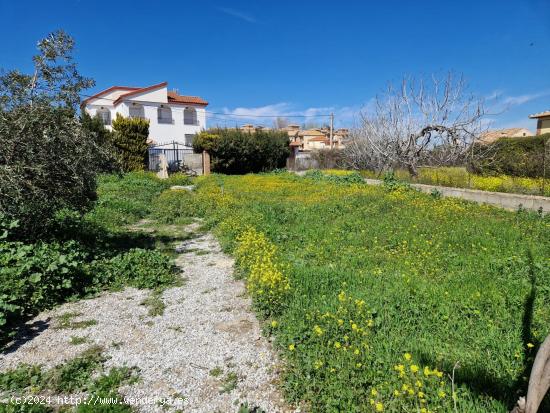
x,y
161,131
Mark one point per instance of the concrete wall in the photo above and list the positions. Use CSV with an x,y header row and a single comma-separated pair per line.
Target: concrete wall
x,y
302,162
499,199
194,161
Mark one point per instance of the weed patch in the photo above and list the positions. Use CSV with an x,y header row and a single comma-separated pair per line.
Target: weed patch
x,y
386,287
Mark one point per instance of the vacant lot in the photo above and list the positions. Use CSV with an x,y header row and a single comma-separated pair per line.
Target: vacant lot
x,y
389,290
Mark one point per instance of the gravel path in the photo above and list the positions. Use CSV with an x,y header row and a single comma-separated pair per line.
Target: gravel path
x,y
205,352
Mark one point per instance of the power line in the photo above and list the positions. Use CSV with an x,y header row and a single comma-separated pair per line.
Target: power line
x,y
229,114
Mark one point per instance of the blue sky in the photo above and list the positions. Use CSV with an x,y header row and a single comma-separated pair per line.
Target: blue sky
x,y
298,57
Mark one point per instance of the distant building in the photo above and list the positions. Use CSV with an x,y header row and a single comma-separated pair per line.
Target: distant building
x,y
312,139
307,139
543,122
172,117
248,127
491,136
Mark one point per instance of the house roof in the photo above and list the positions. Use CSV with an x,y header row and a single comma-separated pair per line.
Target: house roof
x,y
320,139
138,91
109,90
311,132
295,143
173,97
540,115
493,135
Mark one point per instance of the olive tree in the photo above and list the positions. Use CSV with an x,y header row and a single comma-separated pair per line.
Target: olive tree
x,y
48,160
433,120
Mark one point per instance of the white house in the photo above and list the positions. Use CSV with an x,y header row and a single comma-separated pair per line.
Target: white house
x,y
172,117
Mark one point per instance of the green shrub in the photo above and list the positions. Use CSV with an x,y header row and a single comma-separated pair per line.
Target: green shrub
x,y
49,164
37,276
348,178
104,138
138,268
236,152
130,139
515,156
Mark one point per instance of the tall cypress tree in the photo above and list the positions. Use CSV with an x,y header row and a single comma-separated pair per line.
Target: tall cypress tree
x,y
130,139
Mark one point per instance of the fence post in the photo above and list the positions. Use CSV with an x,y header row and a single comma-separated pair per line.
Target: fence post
x,y
205,163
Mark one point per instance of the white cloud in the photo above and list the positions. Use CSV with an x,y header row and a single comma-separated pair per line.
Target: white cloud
x,y
238,14
521,99
264,115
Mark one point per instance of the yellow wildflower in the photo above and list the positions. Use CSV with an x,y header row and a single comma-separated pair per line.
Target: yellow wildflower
x,y
342,296
414,368
379,407
274,324
407,356
374,392
291,347
337,345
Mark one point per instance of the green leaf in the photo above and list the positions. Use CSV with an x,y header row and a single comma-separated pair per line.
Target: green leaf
x,y
36,277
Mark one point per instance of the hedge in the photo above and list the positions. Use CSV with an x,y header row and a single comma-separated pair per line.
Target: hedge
x,y
236,152
524,156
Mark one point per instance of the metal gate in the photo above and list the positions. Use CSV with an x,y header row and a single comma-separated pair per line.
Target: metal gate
x,y
175,155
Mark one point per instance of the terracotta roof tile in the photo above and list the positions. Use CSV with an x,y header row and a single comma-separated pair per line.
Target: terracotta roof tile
x,y
173,97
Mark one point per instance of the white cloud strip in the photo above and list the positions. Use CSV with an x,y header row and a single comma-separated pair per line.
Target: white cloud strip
x,y
238,14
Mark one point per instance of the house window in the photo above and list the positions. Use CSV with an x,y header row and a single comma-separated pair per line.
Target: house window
x,y
104,115
164,114
189,138
137,111
190,116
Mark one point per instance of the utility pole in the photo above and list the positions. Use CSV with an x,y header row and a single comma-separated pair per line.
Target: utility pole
x,y
331,130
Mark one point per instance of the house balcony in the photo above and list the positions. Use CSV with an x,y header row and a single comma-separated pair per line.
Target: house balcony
x,y
165,121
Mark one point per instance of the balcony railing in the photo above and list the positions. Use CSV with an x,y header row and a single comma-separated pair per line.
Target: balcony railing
x,y
166,121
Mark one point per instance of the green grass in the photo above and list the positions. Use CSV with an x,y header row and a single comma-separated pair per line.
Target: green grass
x,y
125,199
154,303
66,320
442,279
84,373
459,177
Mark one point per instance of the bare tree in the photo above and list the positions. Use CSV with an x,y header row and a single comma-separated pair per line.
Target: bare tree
x,y
431,120
280,123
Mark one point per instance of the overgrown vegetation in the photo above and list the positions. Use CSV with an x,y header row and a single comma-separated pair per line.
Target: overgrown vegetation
x,y
238,152
48,160
389,288
525,157
84,255
83,374
459,177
